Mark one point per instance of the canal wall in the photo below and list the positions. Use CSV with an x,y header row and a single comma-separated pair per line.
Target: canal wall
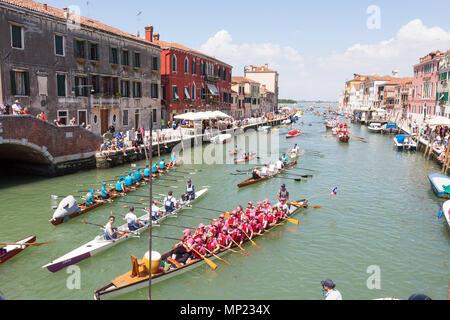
x,y
118,158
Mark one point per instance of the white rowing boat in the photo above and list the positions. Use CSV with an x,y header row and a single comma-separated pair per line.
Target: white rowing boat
x,y
100,244
446,211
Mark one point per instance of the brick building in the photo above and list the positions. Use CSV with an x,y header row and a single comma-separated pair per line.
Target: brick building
x,y
70,66
191,80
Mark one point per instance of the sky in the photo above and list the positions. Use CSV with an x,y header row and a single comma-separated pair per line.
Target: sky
x,y
314,45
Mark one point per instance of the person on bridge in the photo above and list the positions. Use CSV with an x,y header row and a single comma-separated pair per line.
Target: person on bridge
x,y
90,198
137,175
120,185
190,192
129,180
105,194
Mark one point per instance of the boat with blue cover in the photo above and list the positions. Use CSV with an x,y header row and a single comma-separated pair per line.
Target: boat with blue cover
x,y
405,142
439,182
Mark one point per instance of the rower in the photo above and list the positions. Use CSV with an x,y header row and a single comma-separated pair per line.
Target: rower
x,y
120,186
272,168
264,171
137,175
256,174
147,172
162,165
129,180
173,160
285,159
236,150
279,164
156,211
133,222
90,198
105,194
190,192
170,203
283,193
155,168
110,232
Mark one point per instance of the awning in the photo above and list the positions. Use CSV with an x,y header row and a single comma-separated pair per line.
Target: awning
x,y
212,88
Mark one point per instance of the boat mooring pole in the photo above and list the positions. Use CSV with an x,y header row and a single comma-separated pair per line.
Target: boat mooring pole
x,y
150,209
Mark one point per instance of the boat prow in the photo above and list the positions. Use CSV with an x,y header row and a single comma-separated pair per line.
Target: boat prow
x,y
446,212
10,251
438,181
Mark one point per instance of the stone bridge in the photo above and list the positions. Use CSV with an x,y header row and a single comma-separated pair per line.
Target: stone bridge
x,y
32,146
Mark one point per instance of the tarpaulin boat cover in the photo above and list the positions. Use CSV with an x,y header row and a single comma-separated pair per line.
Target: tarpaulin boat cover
x,y
401,137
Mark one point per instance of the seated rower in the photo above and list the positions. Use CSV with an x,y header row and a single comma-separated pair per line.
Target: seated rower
x,y
120,186
285,159
147,172
190,192
156,211
256,174
105,194
182,252
236,150
173,160
90,198
170,203
133,221
155,169
129,181
162,165
137,176
111,233
224,238
264,171
279,164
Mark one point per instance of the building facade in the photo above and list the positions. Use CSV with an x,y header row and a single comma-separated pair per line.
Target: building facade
x,y
422,102
443,86
267,77
191,80
249,98
70,66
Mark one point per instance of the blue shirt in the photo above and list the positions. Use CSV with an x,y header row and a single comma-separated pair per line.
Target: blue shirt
x,y
119,186
146,172
103,193
173,158
162,165
154,168
137,176
89,199
128,181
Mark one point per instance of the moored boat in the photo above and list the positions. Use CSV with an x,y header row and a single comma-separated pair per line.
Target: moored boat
x,y
439,182
390,128
9,251
404,142
446,212
375,127
138,277
100,244
222,139
251,181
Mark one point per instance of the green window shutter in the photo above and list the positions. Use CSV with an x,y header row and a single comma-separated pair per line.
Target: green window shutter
x,y
16,37
61,85
59,45
13,83
110,55
27,83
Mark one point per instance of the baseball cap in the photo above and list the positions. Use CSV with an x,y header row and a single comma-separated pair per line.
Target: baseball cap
x,y
327,283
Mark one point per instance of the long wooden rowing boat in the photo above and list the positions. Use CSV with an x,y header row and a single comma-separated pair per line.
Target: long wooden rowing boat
x,y
100,244
9,251
84,208
132,281
253,181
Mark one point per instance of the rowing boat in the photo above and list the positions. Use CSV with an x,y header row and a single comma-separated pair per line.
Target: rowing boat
x,y
251,181
446,212
132,281
100,244
293,134
242,160
439,183
9,251
69,209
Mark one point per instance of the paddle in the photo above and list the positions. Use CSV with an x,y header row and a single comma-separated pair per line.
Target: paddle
x,y
209,262
298,180
441,212
298,205
213,210
240,246
210,252
252,242
103,227
303,176
37,244
234,251
195,217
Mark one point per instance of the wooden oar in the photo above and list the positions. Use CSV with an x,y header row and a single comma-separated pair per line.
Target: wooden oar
x,y
298,180
196,217
299,175
103,227
226,262
298,205
37,244
240,246
234,251
209,262
252,242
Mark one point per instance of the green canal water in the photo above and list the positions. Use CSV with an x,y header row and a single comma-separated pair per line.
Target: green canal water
x,y
384,215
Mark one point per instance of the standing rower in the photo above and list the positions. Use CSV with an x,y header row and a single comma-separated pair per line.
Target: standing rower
x,y
173,160
283,193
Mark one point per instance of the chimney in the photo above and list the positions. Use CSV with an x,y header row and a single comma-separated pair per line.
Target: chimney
x,y
267,66
156,37
149,33
138,34
66,13
45,7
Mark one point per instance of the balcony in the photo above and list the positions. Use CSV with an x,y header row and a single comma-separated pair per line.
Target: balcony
x,y
211,78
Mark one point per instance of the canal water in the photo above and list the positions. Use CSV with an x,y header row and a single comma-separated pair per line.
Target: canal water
x,y
381,225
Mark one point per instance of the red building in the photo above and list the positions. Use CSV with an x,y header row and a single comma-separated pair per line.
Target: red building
x,y
191,81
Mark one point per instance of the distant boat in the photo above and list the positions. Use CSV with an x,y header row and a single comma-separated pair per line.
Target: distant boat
x,y
375,127
390,128
404,142
438,181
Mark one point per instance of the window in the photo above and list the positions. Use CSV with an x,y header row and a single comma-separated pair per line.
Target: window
x,y
17,37
125,58
193,93
61,85
186,93
137,90
137,60
125,117
194,66
81,86
59,45
107,86
186,65
163,92
155,64
93,51
63,116
219,72
175,93
82,117
125,88
114,55
115,86
154,117
95,83
154,89
20,83
174,63
80,49
203,93
224,76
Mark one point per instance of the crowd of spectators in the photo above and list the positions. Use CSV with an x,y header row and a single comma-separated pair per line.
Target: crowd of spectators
x,y
115,142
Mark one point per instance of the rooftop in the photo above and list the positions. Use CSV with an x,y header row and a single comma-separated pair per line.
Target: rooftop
x,y
242,80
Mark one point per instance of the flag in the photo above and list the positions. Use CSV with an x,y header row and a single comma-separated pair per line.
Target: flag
x,y
53,197
334,192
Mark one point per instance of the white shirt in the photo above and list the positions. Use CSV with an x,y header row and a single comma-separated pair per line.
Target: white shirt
x,y
16,109
155,210
333,294
272,167
131,217
264,171
279,164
